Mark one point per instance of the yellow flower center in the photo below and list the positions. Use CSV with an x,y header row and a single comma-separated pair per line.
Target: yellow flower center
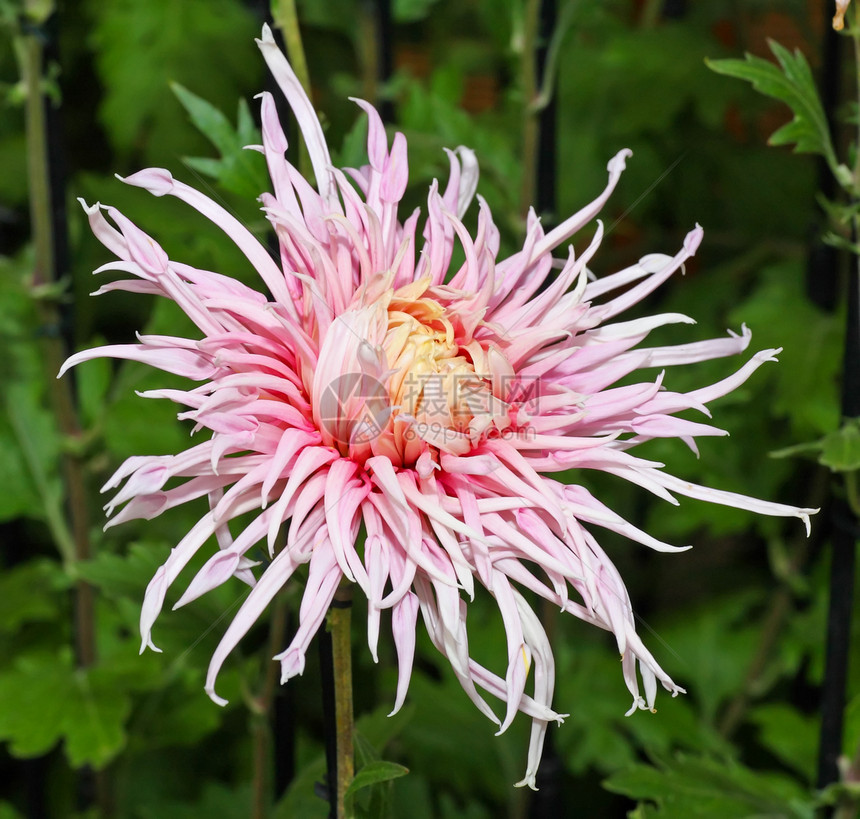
x,y
442,393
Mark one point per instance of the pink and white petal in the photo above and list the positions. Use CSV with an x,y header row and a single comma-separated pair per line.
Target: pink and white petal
x,y
404,617
302,108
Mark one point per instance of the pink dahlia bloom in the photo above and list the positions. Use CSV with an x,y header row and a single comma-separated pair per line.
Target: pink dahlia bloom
x,y
400,418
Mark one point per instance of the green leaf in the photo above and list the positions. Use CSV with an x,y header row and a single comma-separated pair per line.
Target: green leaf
x,y
7,811
217,802
139,426
841,243
689,786
48,700
207,119
790,736
123,576
93,382
840,450
377,729
793,84
807,448
34,455
141,47
29,593
239,171
410,11
373,773
365,753
301,798
803,386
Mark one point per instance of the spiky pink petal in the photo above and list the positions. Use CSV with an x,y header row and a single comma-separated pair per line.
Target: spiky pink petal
x,y
371,387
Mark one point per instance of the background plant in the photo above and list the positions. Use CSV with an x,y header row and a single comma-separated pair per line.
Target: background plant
x,y
92,729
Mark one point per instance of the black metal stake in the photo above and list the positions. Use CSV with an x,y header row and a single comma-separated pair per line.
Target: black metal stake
x,y
385,54
844,522
843,559
328,790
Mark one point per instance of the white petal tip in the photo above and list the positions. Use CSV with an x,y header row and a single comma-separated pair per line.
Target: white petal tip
x,y
804,516
619,162
148,644
693,239
157,181
215,698
182,601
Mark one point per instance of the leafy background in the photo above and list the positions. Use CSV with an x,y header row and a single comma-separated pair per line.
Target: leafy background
x,y
739,620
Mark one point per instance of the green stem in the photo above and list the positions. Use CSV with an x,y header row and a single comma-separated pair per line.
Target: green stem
x,y
261,708
848,804
553,52
852,491
74,538
650,15
367,50
855,39
531,122
778,613
339,627
29,49
287,20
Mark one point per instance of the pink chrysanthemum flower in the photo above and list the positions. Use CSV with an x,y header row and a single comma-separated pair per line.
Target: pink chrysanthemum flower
x,y
375,386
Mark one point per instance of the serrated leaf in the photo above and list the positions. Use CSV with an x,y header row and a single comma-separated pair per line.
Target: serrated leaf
x,y
93,382
792,83
7,811
411,11
841,212
246,129
689,786
806,448
47,700
94,727
30,592
840,450
123,576
841,243
365,753
29,440
789,735
238,170
217,802
301,798
374,773
34,456
204,164
378,729
141,47
209,120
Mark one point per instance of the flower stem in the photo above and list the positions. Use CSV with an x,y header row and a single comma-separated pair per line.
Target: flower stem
x,y
261,731
46,195
529,90
287,20
339,628
843,538
42,196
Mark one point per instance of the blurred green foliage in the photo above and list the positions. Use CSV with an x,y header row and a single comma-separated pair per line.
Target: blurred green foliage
x,y
626,78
